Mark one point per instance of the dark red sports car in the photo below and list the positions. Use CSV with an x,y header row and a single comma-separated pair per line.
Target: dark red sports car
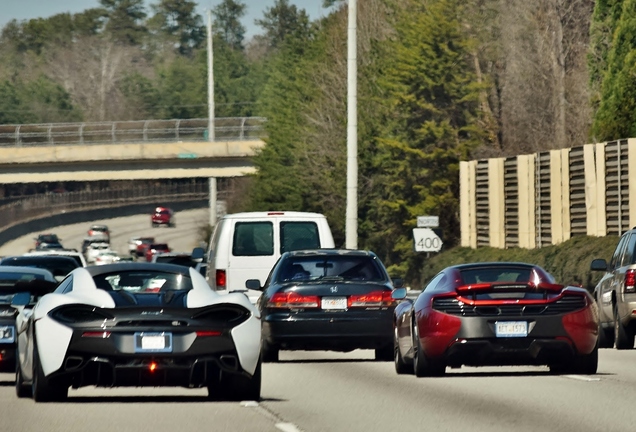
x,y
487,314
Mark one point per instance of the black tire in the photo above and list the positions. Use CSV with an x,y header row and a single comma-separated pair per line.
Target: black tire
x,y
384,353
269,353
21,389
623,337
235,387
605,337
422,365
586,364
41,388
401,366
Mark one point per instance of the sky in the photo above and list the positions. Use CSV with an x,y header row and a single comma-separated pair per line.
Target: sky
x,y
28,9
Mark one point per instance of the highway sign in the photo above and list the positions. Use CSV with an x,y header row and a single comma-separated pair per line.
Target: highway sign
x,y
426,240
427,221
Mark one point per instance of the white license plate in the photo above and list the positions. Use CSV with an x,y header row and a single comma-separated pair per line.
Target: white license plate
x,y
153,342
334,303
7,334
511,329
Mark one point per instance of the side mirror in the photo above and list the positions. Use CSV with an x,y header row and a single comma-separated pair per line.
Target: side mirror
x,y
20,300
599,265
197,254
253,284
398,294
397,282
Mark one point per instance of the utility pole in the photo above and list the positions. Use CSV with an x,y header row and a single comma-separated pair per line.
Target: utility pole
x,y
212,195
351,226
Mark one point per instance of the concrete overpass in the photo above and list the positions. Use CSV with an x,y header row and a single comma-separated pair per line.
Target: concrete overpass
x,y
149,149
132,150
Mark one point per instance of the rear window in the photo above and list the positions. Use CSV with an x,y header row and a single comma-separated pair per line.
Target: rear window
x,y
496,274
298,235
182,260
253,239
143,281
334,267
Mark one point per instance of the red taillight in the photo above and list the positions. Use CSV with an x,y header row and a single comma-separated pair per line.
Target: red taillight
x,y
221,279
96,334
630,281
291,299
372,299
208,333
152,367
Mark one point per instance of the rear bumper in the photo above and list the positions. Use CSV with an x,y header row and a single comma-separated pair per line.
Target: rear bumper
x,y
473,341
7,357
336,333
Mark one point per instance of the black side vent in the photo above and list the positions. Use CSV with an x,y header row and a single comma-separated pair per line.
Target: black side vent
x,y
452,306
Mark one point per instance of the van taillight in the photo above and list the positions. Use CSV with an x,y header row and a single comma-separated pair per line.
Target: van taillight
x,y
221,280
630,281
288,300
372,299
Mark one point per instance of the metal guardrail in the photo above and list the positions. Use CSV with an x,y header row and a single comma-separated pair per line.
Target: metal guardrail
x,y
228,128
38,206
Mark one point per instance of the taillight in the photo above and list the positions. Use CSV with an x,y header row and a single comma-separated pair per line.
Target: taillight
x,y
96,334
221,279
208,333
372,299
288,300
630,281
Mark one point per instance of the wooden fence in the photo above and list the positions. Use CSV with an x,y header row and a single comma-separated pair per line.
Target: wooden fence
x,y
546,198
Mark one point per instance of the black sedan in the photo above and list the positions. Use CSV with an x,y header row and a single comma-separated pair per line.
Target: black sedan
x,y
327,299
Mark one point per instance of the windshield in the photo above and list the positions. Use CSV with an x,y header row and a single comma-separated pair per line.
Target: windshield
x,y
342,268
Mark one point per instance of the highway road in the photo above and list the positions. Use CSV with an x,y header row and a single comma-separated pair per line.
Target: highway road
x,y
327,391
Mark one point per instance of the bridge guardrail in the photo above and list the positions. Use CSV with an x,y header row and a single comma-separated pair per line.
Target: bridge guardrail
x,y
38,206
228,128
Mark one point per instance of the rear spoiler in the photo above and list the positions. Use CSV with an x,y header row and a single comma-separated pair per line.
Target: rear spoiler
x,y
508,286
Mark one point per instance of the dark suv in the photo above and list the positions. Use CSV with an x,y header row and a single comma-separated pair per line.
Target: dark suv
x,y
616,295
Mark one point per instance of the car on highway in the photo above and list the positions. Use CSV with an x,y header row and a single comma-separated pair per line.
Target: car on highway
x,y
95,249
87,241
106,257
163,216
327,299
155,248
99,232
48,241
138,325
615,294
137,245
58,265
33,282
495,314
78,257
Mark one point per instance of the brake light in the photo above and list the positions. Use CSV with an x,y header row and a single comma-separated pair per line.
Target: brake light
x,y
630,281
221,279
96,334
152,366
208,333
289,300
275,213
375,298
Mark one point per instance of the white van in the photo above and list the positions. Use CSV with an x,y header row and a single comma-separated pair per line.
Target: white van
x,y
247,245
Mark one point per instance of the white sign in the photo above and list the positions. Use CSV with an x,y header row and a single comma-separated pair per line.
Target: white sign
x,y
426,240
427,221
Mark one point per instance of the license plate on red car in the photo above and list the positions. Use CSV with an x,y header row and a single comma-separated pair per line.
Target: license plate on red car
x,y
511,328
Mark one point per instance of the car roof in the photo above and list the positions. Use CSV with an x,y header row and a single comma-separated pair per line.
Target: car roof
x,y
498,264
37,258
330,252
97,227
273,214
132,266
27,270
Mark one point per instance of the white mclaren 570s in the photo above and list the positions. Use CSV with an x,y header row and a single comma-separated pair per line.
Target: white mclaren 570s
x,y
138,324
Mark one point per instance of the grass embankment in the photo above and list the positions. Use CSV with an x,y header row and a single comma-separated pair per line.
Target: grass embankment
x,y
568,262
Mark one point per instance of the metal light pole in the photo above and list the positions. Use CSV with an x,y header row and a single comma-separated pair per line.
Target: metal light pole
x,y
212,180
351,227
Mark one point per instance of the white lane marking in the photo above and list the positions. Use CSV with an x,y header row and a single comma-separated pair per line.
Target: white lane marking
x,y
287,427
249,404
581,378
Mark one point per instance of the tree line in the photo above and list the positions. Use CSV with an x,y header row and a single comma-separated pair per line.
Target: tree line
x,y
439,81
